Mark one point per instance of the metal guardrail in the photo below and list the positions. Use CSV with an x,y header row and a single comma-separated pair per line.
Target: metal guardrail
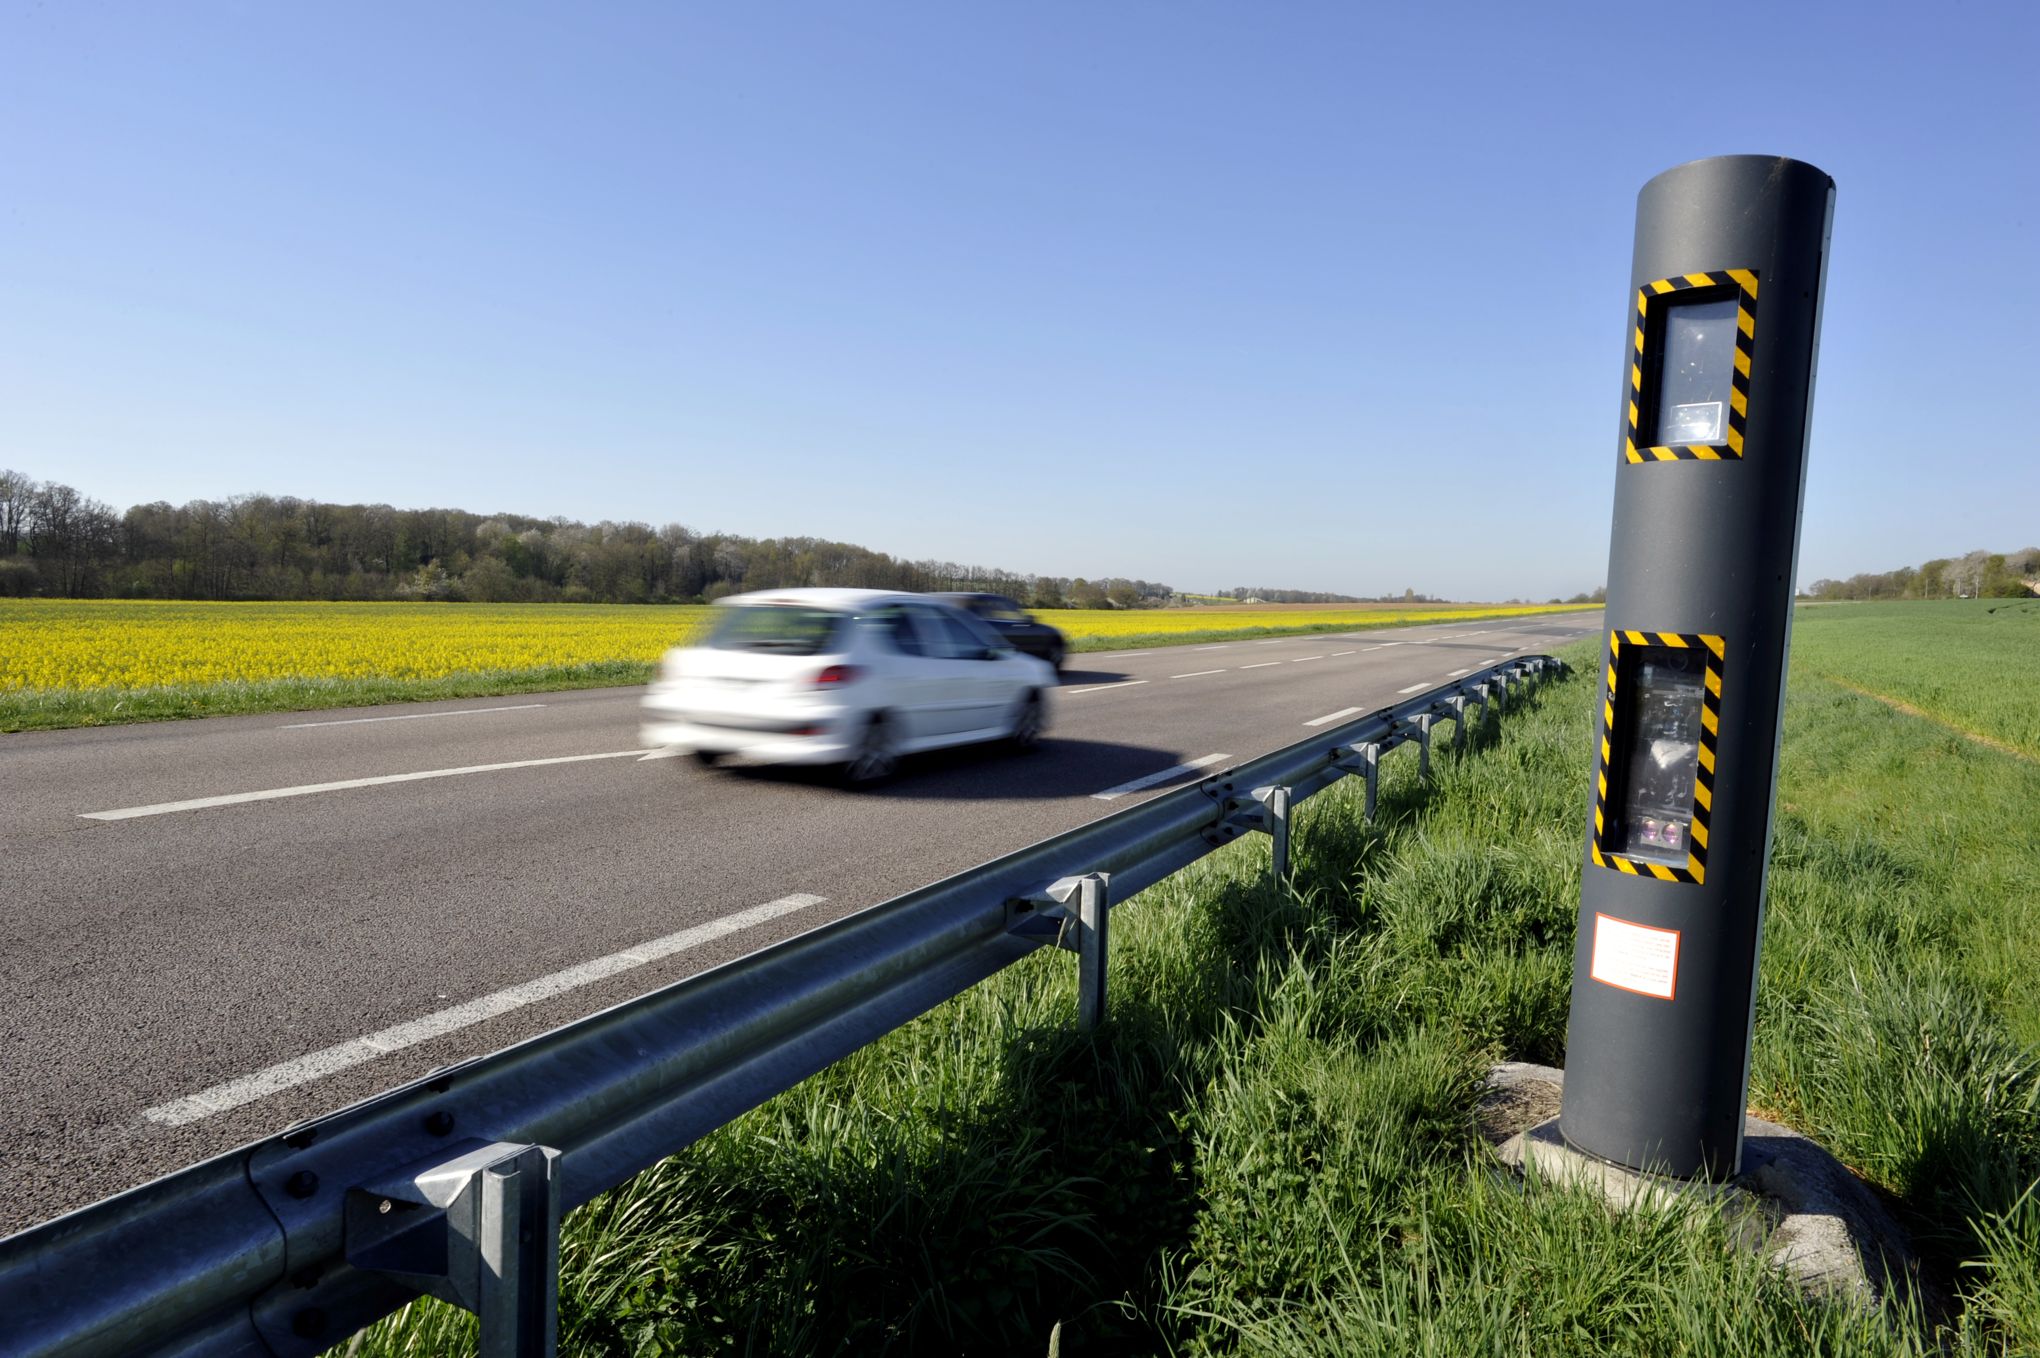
x,y
454,1185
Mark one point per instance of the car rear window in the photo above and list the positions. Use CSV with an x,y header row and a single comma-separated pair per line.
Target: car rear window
x,y
784,629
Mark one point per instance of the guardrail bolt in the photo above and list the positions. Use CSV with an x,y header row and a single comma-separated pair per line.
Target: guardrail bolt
x,y
302,1184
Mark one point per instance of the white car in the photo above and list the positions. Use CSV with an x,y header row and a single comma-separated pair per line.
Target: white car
x,y
855,677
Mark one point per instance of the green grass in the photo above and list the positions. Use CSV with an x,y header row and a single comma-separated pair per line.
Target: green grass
x,y
61,709
1973,664
1269,1149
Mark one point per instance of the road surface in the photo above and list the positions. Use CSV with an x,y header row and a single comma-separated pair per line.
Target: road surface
x,y
213,929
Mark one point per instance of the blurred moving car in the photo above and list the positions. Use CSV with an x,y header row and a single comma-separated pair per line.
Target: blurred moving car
x,y
1014,623
856,677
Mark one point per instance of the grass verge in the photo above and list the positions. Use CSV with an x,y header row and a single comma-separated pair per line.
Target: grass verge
x,y
62,709
1269,1148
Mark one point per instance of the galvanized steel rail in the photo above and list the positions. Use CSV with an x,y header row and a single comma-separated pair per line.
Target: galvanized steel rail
x,y
454,1184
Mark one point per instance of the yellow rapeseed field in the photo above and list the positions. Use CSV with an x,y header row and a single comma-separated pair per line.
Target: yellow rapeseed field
x,y
1105,624
52,645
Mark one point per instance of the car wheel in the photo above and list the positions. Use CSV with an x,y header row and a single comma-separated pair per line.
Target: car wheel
x,y
875,759
1028,723
1055,656
707,759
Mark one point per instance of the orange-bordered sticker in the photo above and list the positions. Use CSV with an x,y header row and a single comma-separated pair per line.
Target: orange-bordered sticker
x,y
1635,957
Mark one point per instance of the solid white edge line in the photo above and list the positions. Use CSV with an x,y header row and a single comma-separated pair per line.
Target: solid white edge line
x,y
1136,784
1100,688
273,793
1415,688
1330,717
409,716
314,1065
1262,666
1196,674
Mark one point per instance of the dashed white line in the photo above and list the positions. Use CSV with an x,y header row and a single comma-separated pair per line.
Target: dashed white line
x,y
1223,645
306,790
1342,653
1116,655
1274,641
1300,659
1196,674
1456,673
1382,647
1262,666
411,716
1414,688
1330,717
1136,784
284,1074
1100,688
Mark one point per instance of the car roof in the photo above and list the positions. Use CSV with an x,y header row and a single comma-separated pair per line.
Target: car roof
x,y
837,600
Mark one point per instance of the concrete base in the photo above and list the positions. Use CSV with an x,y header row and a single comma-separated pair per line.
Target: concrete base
x,y
1793,1201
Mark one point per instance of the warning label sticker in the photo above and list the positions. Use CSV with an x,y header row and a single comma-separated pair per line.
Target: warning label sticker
x,y
1635,957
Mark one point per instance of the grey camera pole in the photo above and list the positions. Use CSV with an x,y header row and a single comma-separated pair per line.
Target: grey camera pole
x,y
1719,343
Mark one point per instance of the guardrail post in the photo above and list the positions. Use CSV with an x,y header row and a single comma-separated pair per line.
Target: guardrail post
x,y
1094,911
481,1230
1278,832
1423,725
1458,705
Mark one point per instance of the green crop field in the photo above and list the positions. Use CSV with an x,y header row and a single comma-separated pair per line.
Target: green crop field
x,y
1971,664
1270,1150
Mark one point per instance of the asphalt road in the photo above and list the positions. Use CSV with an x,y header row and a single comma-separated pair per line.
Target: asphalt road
x,y
181,979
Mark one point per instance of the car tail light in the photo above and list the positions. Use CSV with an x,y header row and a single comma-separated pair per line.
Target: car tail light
x,y
835,676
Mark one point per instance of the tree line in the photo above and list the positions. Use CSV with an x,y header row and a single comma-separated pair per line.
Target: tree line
x,y
55,541
1979,575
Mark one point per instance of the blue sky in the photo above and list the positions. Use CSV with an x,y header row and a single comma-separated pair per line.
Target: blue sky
x,y
1307,295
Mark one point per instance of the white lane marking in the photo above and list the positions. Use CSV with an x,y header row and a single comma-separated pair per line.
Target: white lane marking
x,y
411,716
1414,688
1456,673
1135,785
1300,659
1342,653
284,1074
1223,645
1100,688
1116,655
1330,717
1196,674
1382,647
273,793
1262,666
1274,641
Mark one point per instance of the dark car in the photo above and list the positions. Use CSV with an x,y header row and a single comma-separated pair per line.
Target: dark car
x,y
1014,623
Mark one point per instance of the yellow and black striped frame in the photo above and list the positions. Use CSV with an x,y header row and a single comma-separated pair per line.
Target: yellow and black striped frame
x,y
1703,777
1740,283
